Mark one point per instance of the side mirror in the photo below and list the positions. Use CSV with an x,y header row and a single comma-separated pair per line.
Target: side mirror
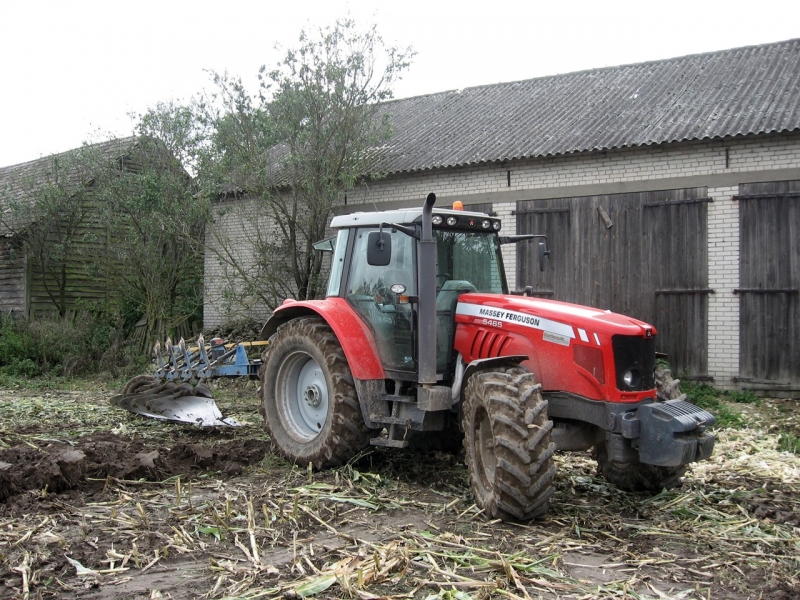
x,y
379,248
543,253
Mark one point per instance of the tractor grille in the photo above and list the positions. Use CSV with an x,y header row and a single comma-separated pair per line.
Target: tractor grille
x,y
636,354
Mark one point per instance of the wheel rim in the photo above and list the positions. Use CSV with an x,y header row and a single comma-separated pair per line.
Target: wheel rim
x,y
485,460
302,394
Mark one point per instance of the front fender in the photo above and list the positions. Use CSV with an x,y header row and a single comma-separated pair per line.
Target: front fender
x,y
358,343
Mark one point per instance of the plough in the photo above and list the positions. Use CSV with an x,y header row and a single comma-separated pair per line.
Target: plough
x,y
177,390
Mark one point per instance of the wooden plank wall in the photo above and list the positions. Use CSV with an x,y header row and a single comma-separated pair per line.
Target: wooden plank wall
x,y
87,269
12,276
769,293
641,254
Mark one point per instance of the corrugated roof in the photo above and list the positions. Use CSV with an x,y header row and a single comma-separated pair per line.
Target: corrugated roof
x,y
743,91
21,183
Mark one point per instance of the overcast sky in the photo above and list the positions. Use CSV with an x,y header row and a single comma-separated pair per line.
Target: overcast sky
x,y
74,70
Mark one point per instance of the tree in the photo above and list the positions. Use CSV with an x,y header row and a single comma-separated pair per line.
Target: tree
x,y
156,221
295,148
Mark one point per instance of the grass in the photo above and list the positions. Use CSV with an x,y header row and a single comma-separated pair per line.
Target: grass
x,y
789,442
712,400
743,397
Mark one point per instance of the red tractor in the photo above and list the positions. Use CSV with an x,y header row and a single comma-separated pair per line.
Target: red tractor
x,y
419,342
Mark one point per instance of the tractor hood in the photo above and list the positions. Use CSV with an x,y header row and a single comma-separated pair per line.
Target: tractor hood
x,y
551,314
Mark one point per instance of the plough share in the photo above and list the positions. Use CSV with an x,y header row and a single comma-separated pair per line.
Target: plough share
x,y
178,390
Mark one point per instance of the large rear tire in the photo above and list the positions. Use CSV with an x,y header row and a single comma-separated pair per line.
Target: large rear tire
x,y
509,452
311,408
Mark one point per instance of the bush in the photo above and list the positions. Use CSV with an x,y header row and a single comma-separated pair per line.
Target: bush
x,y
707,397
17,351
91,342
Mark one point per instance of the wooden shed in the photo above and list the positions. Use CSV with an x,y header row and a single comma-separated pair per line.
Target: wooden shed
x,y
53,247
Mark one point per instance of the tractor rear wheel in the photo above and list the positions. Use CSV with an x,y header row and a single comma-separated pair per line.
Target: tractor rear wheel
x,y
636,476
311,408
509,452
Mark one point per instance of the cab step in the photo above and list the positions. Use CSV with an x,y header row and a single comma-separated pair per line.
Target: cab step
x,y
386,442
397,398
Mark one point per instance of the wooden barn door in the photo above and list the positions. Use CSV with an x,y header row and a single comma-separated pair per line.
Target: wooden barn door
x,y
676,234
769,279
642,254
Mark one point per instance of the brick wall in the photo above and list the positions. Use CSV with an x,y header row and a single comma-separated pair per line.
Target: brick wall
x,y
229,240
613,166
723,278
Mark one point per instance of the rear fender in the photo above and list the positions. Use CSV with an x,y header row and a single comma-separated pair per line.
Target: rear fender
x,y
358,343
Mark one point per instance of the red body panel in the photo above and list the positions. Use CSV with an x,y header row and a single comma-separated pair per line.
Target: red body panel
x,y
553,335
355,337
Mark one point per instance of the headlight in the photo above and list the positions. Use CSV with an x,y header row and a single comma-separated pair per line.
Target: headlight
x,y
436,219
631,378
496,225
451,221
486,223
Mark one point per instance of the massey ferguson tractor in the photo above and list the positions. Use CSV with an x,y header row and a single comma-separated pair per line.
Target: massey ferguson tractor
x,y
419,343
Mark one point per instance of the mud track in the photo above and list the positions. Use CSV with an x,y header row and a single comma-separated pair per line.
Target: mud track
x,y
60,466
100,504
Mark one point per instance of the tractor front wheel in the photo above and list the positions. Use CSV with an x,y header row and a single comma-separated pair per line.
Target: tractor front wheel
x,y
636,476
667,388
311,408
509,452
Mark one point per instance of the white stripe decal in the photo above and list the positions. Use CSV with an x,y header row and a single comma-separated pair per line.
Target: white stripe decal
x,y
515,318
597,339
582,333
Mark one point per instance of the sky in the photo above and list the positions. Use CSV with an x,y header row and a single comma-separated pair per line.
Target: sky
x,y
74,71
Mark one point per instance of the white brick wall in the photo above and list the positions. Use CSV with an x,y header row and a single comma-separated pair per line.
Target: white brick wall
x,y
612,166
509,220
723,278
236,224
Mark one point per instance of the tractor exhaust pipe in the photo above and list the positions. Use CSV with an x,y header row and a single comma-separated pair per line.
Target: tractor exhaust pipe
x,y
426,280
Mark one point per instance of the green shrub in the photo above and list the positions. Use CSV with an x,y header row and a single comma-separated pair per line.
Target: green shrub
x,y
17,349
91,342
744,397
707,397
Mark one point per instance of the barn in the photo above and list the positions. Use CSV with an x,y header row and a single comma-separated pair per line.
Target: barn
x,y
668,190
51,241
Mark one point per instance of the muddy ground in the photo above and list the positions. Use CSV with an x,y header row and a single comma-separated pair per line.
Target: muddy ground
x,y
97,503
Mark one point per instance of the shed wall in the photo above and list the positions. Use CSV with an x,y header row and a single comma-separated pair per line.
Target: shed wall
x,y
230,242
13,287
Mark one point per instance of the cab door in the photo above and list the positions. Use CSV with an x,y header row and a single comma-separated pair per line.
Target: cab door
x,y
381,295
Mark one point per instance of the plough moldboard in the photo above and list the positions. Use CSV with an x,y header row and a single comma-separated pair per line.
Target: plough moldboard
x,y
178,390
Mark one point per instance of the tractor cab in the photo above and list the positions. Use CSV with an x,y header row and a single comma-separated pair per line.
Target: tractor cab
x,y
375,267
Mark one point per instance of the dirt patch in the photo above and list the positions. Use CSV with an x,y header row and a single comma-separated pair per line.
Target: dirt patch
x,y
59,466
101,504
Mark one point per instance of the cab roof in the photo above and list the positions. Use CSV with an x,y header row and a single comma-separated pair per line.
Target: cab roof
x,y
405,216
